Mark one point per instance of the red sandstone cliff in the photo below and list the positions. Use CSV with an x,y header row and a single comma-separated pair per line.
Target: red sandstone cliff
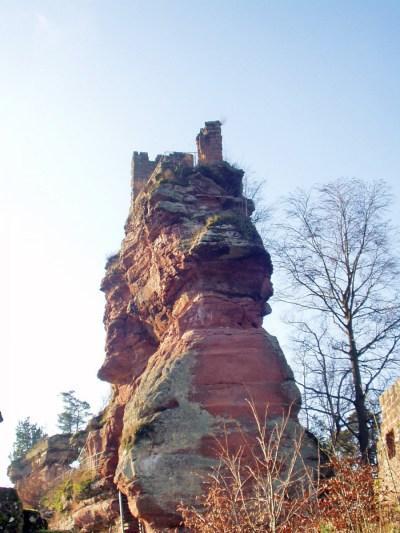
x,y
69,478
185,347
44,465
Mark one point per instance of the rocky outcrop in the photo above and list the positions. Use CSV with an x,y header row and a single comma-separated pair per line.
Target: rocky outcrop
x,y
185,349
11,515
14,519
74,495
44,466
69,478
97,507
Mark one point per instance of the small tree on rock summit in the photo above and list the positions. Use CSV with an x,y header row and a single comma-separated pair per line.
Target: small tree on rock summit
x,y
75,414
27,434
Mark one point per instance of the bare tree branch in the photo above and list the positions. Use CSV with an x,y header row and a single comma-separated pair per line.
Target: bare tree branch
x,y
335,248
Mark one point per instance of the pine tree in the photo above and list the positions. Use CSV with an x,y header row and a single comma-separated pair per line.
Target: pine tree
x,y
75,414
27,434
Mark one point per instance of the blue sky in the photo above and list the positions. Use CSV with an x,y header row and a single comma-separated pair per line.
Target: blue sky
x,y
308,91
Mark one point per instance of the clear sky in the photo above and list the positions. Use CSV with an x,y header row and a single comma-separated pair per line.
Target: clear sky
x,y
308,92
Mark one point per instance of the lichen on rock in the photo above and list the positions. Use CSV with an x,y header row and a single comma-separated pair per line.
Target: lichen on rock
x,y
185,348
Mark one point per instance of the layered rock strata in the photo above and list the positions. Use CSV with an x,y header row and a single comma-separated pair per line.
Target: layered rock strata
x,y
44,466
185,349
69,478
98,507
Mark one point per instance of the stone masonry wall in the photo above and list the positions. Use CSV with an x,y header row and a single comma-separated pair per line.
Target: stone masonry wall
x,y
389,445
209,150
209,143
142,167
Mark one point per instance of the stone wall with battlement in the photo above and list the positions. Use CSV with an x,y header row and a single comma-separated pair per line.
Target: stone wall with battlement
x,y
142,167
389,443
209,150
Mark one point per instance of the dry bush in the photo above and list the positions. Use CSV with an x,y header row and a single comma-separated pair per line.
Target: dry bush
x,y
262,486
266,487
351,501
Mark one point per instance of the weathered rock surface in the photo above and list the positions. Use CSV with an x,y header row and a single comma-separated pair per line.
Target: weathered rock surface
x,y
79,496
185,348
11,516
44,465
74,497
96,508
14,519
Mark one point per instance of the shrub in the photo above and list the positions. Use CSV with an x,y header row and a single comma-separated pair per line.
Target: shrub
x,y
251,489
271,491
76,486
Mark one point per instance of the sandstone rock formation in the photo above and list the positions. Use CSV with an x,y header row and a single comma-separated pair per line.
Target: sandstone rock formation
x,y
185,349
69,478
97,507
44,465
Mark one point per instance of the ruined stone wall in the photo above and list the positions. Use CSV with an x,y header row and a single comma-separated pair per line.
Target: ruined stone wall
x,y
209,150
209,143
141,169
389,445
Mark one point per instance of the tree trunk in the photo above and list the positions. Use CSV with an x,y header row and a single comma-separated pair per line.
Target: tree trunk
x,y
359,403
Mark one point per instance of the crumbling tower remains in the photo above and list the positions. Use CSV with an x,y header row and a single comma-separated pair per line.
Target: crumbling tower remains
x,y
209,143
389,442
209,150
141,169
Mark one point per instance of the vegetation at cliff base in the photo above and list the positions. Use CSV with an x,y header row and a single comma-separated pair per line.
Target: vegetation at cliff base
x,y
266,487
75,486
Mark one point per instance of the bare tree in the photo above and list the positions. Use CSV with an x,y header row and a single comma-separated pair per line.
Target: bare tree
x,y
335,248
253,189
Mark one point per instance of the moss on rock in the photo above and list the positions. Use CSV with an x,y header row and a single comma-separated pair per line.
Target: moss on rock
x,y
78,486
225,175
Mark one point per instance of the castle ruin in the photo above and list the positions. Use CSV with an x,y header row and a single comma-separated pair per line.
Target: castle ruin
x,y
209,150
389,443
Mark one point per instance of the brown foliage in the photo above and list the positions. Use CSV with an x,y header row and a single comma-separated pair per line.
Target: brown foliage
x,y
267,488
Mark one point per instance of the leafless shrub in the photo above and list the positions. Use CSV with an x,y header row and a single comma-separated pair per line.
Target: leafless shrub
x,y
266,487
260,487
